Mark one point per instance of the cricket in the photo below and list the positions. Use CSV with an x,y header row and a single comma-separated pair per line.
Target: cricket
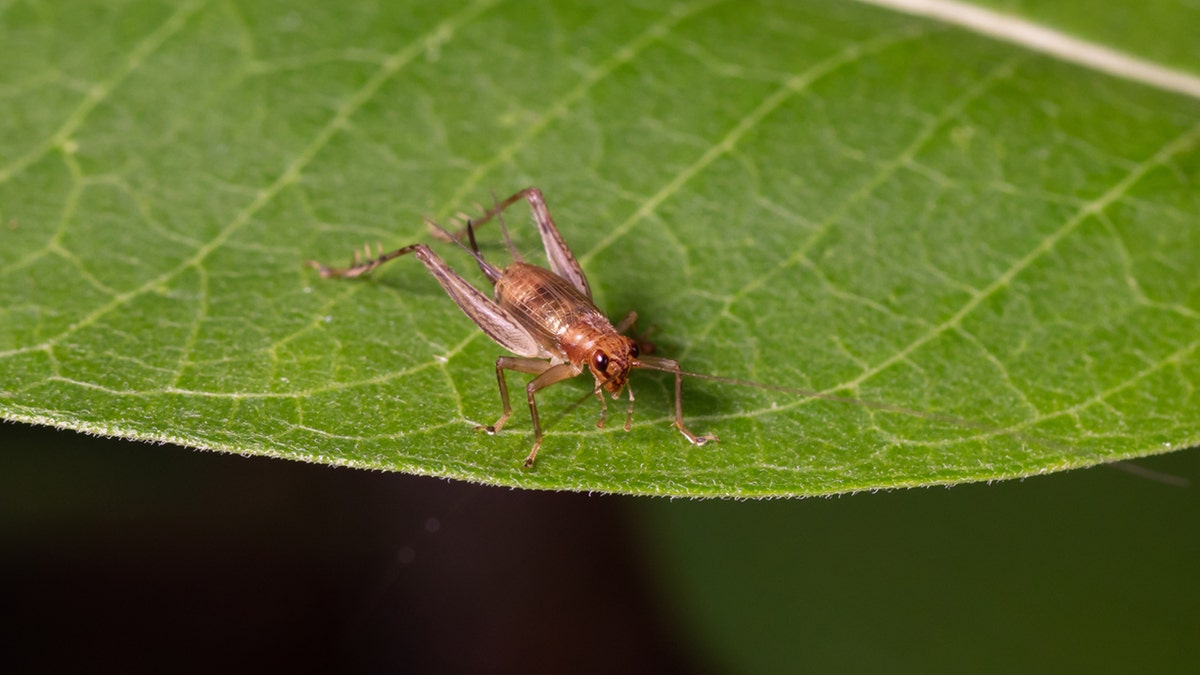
x,y
546,317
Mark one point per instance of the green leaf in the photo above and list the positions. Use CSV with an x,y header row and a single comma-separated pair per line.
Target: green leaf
x,y
997,246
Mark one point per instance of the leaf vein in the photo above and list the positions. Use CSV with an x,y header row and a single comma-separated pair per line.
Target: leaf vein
x,y
292,172
794,85
100,91
1176,146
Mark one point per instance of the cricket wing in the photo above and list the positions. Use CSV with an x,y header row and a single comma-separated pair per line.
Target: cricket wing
x,y
491,318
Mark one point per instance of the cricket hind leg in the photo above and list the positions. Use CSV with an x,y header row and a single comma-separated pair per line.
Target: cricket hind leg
x,y
498,323
496,210
358,266
562,261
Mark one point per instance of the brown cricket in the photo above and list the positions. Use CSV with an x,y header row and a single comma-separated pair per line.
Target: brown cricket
x,y
544,316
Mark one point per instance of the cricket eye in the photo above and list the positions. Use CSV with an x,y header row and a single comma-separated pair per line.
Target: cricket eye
x,y
600,362
633,349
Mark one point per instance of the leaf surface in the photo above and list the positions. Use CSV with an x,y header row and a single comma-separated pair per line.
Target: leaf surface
x,y
998,247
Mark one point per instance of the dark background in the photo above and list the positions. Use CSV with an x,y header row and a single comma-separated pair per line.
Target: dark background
x,y
136,557
122,555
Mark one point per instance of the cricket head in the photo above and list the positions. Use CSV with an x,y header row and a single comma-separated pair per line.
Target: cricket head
x,y
612,357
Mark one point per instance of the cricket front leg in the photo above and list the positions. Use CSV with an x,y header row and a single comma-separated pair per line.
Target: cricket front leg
x,y
644,345
670,366
551,375
521,365
627,322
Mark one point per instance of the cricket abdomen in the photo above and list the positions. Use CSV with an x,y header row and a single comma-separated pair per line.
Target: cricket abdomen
x,y
548,306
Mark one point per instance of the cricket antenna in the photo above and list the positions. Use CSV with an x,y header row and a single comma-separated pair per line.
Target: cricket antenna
x,y
1120,465
808,393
